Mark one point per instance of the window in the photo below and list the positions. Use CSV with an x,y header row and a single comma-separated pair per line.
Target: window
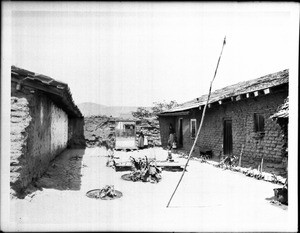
x,y
193,128
259,123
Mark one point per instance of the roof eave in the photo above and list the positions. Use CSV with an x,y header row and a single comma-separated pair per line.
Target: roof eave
x,y
59,93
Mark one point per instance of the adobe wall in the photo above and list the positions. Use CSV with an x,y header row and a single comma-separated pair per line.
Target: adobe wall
x,y
39,132
270,146
241,113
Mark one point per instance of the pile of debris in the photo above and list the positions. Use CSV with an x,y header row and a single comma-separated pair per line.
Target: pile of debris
x,y
99,131
150,128
232,163
228,162
144,170
281,194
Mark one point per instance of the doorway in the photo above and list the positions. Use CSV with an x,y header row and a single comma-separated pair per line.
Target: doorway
x,y
180,133
227,137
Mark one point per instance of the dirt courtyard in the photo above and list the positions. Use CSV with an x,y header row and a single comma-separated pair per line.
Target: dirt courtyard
x,y
208,198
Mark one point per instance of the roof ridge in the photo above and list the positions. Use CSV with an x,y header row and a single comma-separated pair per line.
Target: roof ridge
x,y
243,87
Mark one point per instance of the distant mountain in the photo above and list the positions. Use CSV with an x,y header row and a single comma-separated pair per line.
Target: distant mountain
x,y
90,109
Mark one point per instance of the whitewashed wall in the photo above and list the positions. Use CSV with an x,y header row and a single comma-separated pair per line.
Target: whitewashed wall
x,y
59,129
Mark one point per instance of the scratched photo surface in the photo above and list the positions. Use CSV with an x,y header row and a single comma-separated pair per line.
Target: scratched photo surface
x,y
147,116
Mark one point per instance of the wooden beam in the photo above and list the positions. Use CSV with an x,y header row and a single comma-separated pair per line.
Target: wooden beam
x,y
14,73
38,86
259,93
266,91
250,95
240,97
214,104
56,95
232,98
175,114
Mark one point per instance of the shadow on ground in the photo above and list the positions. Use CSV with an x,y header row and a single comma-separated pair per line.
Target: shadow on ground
x,y
64,172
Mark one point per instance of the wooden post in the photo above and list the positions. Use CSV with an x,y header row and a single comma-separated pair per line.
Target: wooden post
x,y
198,132
242,150
240,159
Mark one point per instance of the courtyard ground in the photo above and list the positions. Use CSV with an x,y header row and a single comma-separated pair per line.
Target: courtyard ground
x,y
208,198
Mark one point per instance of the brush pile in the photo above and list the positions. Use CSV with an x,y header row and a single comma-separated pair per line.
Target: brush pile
x,y
281,194
144,170
228,162
106,193
256,173
202,158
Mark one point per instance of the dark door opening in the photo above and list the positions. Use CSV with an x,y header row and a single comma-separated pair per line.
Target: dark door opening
x,y
227,137
180,135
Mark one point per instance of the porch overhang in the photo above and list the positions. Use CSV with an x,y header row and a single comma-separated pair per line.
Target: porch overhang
x,y
185,113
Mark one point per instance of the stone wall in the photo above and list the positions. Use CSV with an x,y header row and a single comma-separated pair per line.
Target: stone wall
x,y
20,120
39,132
269,145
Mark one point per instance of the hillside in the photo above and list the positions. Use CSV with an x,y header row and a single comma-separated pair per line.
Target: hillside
x,y
93,109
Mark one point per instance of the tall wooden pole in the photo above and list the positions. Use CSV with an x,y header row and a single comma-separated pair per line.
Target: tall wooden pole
x,y
202,118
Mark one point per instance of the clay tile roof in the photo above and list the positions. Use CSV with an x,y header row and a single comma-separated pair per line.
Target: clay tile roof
x,y
268,81
62,95
283,110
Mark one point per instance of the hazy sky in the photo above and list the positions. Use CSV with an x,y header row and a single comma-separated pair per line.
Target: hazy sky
x,y
133,54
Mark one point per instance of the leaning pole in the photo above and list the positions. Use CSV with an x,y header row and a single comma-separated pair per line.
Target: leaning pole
x,y
199,129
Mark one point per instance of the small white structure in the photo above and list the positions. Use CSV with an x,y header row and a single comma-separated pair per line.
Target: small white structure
x,y
125,134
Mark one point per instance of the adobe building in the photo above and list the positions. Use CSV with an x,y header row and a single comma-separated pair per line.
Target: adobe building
x,y
44,122
282,118
237,122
